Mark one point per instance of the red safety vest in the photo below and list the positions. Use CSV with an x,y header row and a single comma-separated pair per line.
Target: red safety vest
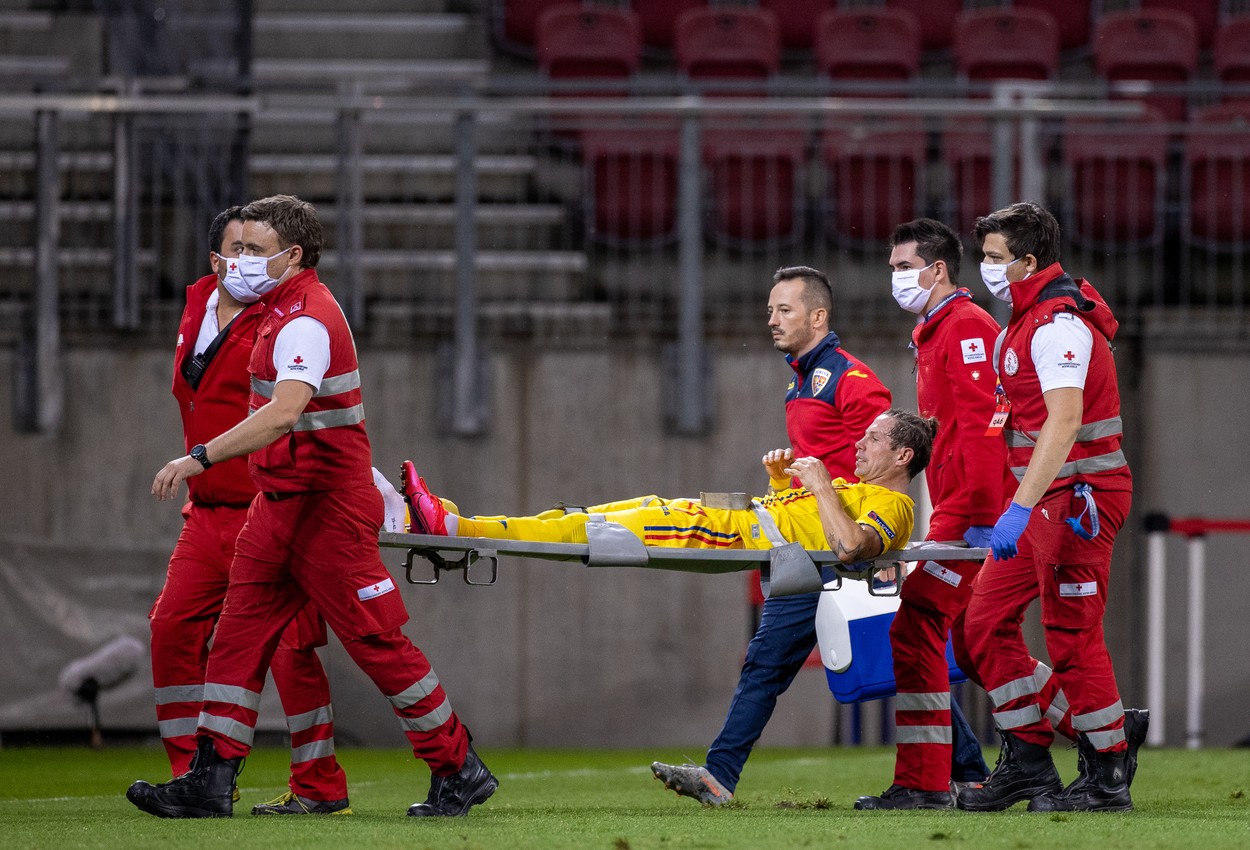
x,y
328,448
1096,456
220,401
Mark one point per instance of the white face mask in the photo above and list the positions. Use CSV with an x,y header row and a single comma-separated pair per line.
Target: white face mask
x,y
994,276
232,280
908,292
255,274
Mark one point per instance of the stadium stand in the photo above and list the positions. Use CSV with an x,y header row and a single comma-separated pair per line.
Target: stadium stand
x,y
1205,15
1074,17
727,43
936,17
795,19
1231,60
659,20
876,179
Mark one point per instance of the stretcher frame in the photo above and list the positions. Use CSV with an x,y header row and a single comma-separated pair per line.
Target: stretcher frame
x,y
785,570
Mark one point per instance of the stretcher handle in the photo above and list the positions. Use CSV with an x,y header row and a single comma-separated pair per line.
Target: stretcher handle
x,y
465,562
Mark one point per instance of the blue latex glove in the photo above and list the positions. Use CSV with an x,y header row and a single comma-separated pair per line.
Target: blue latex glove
x,y
978,536
1007,531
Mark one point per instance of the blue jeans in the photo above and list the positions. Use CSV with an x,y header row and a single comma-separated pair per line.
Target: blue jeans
x,y
783,641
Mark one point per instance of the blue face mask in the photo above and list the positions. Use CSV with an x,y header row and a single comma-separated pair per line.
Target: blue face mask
x,y
254,272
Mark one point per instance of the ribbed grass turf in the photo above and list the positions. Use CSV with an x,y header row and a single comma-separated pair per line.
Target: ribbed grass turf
x,y
63,798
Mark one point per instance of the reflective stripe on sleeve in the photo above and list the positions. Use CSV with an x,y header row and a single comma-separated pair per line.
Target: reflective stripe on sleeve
x,y
179,693
1022,687
939,701
415,692
1026,716
229,727
233,695
317,419
312,750
429,721
178,727
309,719
1098,719
922,734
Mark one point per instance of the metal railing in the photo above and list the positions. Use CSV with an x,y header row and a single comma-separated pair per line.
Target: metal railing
x,y
657,214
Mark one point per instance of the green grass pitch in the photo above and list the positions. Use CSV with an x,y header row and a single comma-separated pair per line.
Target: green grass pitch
x,y
69,797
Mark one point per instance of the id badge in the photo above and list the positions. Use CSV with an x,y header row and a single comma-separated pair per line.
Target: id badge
x,y
1002,407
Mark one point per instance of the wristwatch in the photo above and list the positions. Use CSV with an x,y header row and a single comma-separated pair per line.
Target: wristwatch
x,y
201,454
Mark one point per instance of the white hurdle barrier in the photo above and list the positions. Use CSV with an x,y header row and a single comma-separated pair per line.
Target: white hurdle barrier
x,y
1195,530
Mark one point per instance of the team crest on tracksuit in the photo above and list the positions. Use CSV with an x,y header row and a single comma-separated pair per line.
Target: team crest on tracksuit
x,y
820,377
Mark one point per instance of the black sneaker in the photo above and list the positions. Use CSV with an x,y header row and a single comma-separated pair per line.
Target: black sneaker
x,y
1101,786
454,795
291,803
898,797
206,790
1023,771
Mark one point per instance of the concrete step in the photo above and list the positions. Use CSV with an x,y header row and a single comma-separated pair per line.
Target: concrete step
x,y
358,35
501,275
499,226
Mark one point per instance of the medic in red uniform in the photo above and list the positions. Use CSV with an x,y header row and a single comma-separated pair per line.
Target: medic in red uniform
x,y
1063,433
311,534
211,384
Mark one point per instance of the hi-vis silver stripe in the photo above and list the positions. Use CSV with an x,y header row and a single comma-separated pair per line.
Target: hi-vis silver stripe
x,y
1088,432
309,719
232,729
179,693
1097,463
318,419
1058,707
1105,740
1098,719
1026,716
329,386
940,701
178,727
312,750
429,721
922,734
1022,687
415,692
767,524
232,694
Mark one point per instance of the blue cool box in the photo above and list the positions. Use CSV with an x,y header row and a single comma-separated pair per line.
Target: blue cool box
x,y
850,622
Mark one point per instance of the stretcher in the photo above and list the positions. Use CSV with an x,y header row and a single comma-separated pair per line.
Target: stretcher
x,y
852,619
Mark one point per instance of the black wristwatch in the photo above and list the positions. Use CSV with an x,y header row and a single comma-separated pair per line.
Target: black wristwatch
x,y
201,454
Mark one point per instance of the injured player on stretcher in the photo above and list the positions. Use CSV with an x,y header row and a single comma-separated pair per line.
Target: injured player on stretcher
x,y
855,521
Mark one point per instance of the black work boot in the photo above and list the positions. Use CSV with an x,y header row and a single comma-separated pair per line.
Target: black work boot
x,y
454,795
1023,771
897,797
1136,724
1101,786
206,790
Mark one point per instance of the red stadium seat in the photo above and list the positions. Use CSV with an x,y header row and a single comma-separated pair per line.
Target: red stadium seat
x,y
936,18
730,43
1217,174
795,17
659,19
868,44
631,180
1205,13
1155,45
1074,17
581,42
1232,53
1116,181
514,23
876,178
1006,44
968,154
756,184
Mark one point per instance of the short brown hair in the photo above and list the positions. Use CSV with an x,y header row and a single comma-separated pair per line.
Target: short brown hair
x,y
912,432
1028,228
934,241
294,221
817,291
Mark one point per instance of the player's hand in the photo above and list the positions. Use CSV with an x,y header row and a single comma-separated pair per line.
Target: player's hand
x,y
810,471
1007,531
776,461
165,485
978,536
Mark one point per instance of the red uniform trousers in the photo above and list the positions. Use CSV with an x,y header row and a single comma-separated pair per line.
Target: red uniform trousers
x,y
322,546
182,622
1071,577
933,596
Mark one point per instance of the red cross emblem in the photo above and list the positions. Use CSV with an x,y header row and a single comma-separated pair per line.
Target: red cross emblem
x,y
376,588
233,266
972,346
298,360
1069,357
